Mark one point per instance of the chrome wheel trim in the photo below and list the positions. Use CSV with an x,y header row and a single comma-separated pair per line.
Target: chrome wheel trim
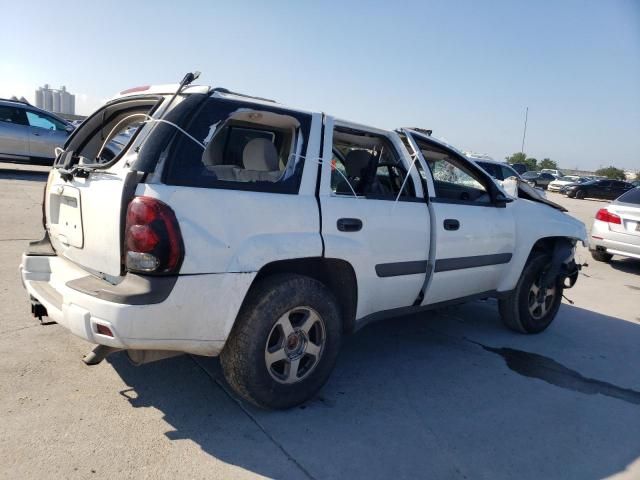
x,y
294,345
540,299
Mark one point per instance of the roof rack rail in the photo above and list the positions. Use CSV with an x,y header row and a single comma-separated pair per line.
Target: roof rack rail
x,y
423,130
227,91
15,100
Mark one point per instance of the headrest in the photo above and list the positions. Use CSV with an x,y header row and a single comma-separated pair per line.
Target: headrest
x,y
213,154
356,161
261,155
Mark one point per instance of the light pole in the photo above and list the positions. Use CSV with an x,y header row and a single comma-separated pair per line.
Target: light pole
x,y
524,134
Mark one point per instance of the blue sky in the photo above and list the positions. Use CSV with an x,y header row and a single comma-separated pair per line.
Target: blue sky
x,y
465,69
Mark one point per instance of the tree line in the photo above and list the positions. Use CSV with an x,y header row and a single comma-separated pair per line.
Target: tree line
x,y
533,164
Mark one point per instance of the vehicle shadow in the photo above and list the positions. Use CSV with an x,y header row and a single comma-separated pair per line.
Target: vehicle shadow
x,y
627,265
20,174
448,394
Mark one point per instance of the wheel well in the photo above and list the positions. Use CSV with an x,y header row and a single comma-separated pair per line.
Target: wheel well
x,y
337,275
547,244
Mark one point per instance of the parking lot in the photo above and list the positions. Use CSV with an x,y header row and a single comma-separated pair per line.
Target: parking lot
x,y
443,394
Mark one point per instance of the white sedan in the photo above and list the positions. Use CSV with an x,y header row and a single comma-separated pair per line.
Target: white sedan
x,y
556,185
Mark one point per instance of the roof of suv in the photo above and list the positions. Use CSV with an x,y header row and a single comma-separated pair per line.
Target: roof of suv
x,y
220,92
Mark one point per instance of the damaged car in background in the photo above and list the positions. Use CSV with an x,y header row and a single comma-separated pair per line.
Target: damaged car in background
x,y
233,226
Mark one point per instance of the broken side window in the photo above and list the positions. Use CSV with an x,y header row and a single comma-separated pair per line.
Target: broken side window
x,y
246,147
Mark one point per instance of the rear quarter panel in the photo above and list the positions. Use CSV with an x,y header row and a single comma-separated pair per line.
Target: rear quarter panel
x,y
240,231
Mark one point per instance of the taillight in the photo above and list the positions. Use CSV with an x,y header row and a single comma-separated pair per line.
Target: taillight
x,y
605,215
152,240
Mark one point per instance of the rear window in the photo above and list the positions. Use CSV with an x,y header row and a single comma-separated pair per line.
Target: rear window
x,y
632,196
12,115
491,169
507,172
241,145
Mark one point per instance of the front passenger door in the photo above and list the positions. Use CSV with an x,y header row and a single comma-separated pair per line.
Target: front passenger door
x,y
46,133
474,236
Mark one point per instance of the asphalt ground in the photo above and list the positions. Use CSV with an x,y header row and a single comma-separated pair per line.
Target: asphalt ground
x,y
443,394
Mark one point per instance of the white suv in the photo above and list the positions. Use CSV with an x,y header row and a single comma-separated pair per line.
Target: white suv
x,y
235,226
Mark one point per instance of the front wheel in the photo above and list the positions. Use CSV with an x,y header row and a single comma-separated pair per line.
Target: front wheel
x,y
284,343
530,307
580,194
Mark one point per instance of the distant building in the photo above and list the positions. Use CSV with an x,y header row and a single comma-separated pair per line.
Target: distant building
x,y
56,101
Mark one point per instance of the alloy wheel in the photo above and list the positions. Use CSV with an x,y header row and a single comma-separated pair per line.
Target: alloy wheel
x,y
294,345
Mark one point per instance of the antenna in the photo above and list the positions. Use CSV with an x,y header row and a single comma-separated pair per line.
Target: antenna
x,y
526,116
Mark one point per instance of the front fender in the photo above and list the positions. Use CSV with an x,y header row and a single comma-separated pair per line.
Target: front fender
x,y
536,221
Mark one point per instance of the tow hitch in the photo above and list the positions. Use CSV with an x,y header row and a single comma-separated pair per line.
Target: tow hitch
x,y
38,311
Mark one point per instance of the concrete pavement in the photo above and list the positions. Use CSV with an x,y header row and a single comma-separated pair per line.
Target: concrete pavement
x,y
447,394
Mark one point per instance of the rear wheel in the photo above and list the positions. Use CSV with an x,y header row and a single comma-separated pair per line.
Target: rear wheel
x,y
601,256
580,194
531,307
284,343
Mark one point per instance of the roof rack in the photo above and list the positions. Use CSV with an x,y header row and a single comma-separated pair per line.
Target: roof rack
x,y
423,130
229,92
15,100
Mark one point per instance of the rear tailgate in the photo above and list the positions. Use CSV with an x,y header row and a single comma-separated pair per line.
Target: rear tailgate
x,y
85,212
85,217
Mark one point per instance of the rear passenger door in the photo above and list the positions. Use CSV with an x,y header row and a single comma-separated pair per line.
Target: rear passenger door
x,y
602,189
14,132
374,214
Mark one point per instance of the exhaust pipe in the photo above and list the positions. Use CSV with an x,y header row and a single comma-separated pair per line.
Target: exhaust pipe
x,y
99,353
141,357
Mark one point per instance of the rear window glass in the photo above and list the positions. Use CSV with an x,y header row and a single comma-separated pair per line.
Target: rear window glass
x,y
507,172
491,169
632,196
241,145
11,115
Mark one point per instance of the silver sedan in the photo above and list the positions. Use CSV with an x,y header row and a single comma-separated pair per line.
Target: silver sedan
x,y
616,228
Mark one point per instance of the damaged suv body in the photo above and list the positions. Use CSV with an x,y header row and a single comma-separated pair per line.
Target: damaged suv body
x,y
222,224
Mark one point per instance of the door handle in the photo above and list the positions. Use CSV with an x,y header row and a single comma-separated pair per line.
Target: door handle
x,y
36,134
451,224
349,224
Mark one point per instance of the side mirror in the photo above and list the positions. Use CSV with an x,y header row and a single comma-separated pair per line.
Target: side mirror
x,y
69,128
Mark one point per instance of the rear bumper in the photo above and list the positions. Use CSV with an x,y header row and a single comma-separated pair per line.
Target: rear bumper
x,y
195,316
615,243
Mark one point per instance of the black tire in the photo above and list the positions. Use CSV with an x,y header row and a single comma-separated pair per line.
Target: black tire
x,y
515,308
600,256
580,194
244,357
